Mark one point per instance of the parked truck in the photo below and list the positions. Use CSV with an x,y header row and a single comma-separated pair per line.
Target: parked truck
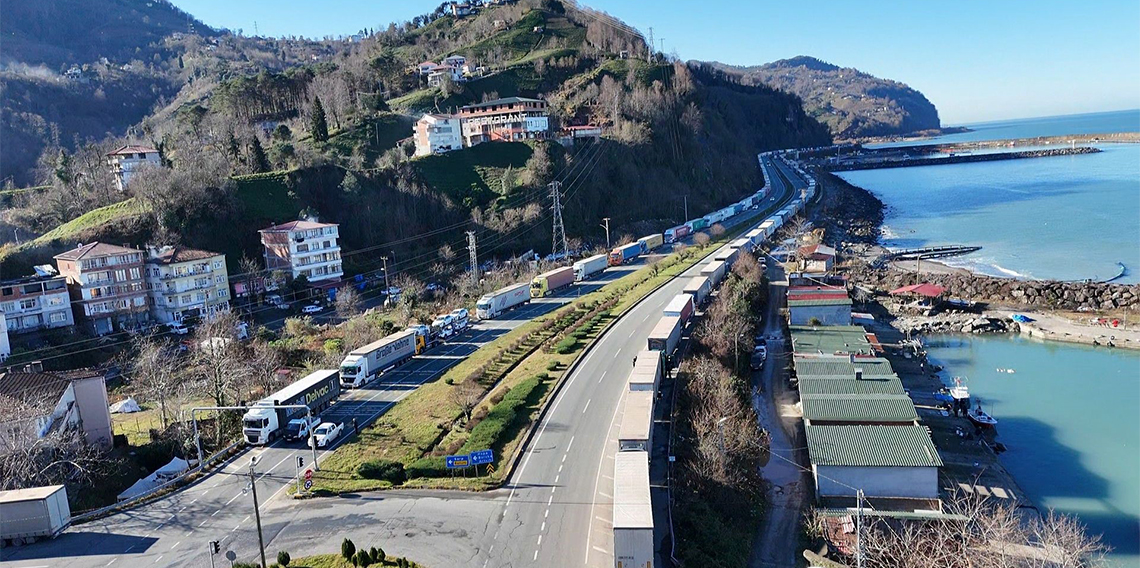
x,y
624,254
665,335
677,233
647,371
492,305
636,432
633,511
546,283
650,242
680,306
588,267
362,365
714,271
262,423
27,515
727,255
698,224
699,288
742,243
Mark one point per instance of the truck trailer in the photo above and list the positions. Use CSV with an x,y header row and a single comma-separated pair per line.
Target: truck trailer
x,y
698,287
633,511
727,255
494,304
262,423
677,233
624,254
588,267
636,432
680,306
650,242
698,224
27,515
714,271
546,283
665,335
647,371
362,365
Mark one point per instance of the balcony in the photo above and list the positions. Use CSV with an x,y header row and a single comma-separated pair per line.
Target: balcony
x,y
195,272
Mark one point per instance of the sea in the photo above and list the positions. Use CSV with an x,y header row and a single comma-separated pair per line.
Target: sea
x,y
1070,417
1063,217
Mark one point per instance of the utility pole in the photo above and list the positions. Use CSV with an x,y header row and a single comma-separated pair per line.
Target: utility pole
x,y
256,511
686,197
662,42
474,258
859,529
649,47
386,286
606,221
559,236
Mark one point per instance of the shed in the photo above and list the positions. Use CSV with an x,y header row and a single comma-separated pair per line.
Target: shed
x,y
898,462
884,409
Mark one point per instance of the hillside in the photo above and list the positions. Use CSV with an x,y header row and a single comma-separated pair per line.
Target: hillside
x,y
852,104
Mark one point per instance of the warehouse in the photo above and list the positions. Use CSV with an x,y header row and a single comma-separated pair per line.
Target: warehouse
x,y
833,340
887,462
838,409
819,310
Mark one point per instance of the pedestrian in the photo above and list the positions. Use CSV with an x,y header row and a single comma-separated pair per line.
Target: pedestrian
x,y
354,428
635,360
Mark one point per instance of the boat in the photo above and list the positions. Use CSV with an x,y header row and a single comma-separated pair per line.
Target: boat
x,y
979,417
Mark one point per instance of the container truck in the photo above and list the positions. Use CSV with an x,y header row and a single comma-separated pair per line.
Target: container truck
x,y
624,254
262,423
714,271
727,255
755,237
677,233
647,371
737,208
633,511
636,432
743,244
650,242
698,224
492,305
698,287
680,306
362,365
665,335
546,283
588,267
33,513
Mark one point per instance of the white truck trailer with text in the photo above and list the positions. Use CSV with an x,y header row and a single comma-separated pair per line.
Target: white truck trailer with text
x,y
492,305
364,364
263,423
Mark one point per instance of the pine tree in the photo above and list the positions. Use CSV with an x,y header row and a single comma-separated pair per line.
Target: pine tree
x,y
318,126
258,161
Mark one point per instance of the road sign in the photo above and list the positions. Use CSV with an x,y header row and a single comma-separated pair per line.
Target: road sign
x,y
454,462
308,484
482,457
308,474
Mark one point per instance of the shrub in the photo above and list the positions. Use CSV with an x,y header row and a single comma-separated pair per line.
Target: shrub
x,y
433,466
283,558
363,559
378,555
347,549
552,366
567,345
487,433
385,470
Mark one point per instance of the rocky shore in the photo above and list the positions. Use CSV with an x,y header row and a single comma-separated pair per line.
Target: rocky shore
x,y
961,159
955,323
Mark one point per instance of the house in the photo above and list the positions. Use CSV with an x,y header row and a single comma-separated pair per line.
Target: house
x,y
36,302
5,347
126,161
426,67
437,133
105,283
303,248
457,61
439,72
73,72
183,283
570,135
472,70
504,120
71,400
460,9
818,306
889,463
816,258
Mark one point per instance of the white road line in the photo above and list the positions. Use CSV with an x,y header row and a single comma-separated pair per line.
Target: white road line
x,y
535,555
176,545
543,529
571,443
236,527
598,479
203,522
112,561
587,406
157,559
215,512
602,550
551,500
232,499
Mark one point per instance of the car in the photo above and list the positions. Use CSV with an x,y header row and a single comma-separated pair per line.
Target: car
x,y
444,325
393,291
298,428
327,433
760,351
177,328
756,363
460,318
312,309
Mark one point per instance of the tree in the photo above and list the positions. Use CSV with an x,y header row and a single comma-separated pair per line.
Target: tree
x,y
217,358
701,239
347,549
283,558
318,124
263,361
465,395
347,302
378,556
153,371
63,455
362,559
258,161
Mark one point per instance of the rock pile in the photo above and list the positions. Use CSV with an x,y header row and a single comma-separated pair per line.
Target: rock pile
x,y
953,323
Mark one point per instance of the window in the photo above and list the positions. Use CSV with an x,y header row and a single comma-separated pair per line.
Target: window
x,y
219,279
201,297
58,317
121,275
135,275
8,291
29,304
186,299
217,264
223,293
55,301
140,301
8,307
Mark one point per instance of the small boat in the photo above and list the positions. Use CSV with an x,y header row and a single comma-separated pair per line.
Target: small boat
x,y
1001,370
979,417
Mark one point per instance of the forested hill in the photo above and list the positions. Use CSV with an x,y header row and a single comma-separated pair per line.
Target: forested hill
x,y
851,103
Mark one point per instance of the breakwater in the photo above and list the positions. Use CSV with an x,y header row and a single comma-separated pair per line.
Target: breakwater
x,y
872,164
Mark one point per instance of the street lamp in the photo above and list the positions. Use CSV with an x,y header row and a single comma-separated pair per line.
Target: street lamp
x,y
256,510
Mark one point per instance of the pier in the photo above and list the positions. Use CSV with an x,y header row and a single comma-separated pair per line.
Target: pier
x,y
898,158
926,253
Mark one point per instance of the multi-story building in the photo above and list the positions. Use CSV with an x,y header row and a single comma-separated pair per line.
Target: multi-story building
x,y
72,400
437,75
106,285
505,120
184,283
437,133
303,248
127,160
36,302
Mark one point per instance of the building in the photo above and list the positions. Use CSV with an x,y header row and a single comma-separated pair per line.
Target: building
x,y
5,347
460,9
504,120
426,67
437,133
438,73
813,308
886,462
457,61
816,259
866,409
106,286
36,302
183,283
76,399
127,160
303,248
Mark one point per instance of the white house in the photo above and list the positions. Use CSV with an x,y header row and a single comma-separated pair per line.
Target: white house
x,y
5,347
183,283
303,248
426,67
72,400
460,9
886,462
437,74
457,61
36,302
437,133
127,160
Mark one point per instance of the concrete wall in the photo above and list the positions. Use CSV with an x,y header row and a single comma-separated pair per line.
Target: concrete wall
x,y
91,398
913,482
827,315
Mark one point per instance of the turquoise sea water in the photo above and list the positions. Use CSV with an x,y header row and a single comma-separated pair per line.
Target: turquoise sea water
x,y
1070,416
1091,123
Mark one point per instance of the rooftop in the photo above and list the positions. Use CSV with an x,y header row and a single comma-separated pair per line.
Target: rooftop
x,y
830,339
816,250
871,446
300,225
503,101
174,254
859,408
20,385
133,149
842,367
810,386
29,494
924,289
819,301
94,250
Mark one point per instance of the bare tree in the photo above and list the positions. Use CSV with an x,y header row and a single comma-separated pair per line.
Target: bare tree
x,y
263,363
218,359
466,396
154,373
347,302
29,459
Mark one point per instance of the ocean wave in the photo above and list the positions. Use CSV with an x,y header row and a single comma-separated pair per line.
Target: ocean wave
x,y
887,233
986,266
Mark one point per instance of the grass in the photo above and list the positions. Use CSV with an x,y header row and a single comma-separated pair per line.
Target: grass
x,y
335,561
267,196
474,176
93,219
371,137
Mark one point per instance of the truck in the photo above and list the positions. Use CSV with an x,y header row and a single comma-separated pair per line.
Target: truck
x,y
494,304
647,371
362,365
624,254
697,224
714,271
636,432
680,306
650,242
633,511
588,267
262,423
727,255
665,335
27,515
546,283
743,244
698,287
675,234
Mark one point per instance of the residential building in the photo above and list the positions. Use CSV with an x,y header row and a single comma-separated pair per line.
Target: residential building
x,y
183,283
437,133
5,346
303,248
457,61
106,285
127,160
36,302
437,74
71,400
570,135
509,119
816,259
460,9
426,67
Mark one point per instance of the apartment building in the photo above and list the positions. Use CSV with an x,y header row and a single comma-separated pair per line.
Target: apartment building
x,y
183,283
36,302
303,248
127,160
437,133
504,120
106,286
70,400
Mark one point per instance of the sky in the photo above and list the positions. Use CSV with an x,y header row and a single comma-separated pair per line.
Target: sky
x,y
976,61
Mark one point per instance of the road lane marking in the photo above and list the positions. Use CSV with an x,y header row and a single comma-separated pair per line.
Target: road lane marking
x,y
112,561
535,555
203,522
585,407
602,550
598,478
216,512
176,545
157,559
232,500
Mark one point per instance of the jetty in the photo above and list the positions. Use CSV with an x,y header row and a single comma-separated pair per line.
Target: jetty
x,y
925,253
901,157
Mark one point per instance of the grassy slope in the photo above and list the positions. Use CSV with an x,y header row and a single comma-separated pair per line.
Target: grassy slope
x,y
474,176
93,219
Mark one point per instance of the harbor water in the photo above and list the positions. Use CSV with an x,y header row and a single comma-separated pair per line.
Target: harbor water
x,y
1090,123
1070,417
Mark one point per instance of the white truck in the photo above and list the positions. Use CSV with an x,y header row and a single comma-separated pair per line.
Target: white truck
x,y
636,432
263,423
588,267
364,364
492,305
633,511
27,515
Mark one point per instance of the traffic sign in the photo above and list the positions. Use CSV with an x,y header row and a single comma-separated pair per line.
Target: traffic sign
x,y
454,462
308,474
308,484
482,457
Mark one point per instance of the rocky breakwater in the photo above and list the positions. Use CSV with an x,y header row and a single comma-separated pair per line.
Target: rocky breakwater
x,y
954,323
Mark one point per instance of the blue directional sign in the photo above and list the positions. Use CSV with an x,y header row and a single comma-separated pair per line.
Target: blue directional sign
x,y
482,456
455,462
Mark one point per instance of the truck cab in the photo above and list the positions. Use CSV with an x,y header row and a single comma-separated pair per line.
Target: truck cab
x,y
298,428
353,373
259,424
483,307
424,337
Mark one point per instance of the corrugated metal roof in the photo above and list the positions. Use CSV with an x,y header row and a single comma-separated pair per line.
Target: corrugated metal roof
x,y
819,302
818,386
871,446
633,508
637,419
859,408
842,366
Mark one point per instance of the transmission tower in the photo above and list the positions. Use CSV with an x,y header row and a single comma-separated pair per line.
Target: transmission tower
x,y
474,258
559,238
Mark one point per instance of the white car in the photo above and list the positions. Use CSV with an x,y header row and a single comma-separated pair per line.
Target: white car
x,y
327,433
177,328
311,309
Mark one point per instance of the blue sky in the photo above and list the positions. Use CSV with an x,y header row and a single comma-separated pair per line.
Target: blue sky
x,y
976,61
